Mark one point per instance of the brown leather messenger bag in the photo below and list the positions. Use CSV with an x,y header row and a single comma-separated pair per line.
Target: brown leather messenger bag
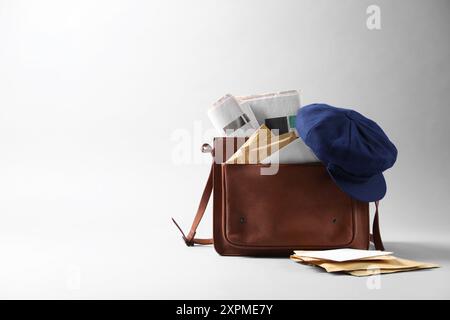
x,y
299,207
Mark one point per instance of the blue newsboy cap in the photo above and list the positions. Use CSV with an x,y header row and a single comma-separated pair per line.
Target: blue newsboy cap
x,y
354,149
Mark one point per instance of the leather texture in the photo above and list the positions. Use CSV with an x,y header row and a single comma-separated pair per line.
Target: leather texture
x,y
300,207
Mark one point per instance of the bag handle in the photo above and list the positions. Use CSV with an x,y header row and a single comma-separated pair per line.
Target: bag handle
x,y
190,239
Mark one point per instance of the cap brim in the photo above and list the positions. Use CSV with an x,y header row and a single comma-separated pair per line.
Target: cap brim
x,y
372,189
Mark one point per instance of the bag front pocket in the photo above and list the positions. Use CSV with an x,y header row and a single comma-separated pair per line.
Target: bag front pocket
x,y
298,207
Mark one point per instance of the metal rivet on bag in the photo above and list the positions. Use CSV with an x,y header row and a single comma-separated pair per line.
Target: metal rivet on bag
x,y
242,220
206,148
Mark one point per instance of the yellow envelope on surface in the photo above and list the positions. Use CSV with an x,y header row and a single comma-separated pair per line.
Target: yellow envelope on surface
x,y
366,266
371,272
261,144
390,264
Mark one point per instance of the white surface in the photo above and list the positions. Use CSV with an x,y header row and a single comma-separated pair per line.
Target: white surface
x,y
128,262
341,255
90,174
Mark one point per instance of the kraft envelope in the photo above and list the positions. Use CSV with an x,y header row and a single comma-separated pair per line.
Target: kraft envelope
x,y
370,272
367,266
259,145
295,152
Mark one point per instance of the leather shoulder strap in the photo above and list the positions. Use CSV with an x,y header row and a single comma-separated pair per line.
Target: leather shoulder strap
x,y
375,237
190,239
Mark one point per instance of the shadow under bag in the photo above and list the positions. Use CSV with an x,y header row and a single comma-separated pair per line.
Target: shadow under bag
x,y
299,207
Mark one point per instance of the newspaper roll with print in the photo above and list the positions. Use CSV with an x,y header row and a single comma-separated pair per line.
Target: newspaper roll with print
x,y
278,111
229,119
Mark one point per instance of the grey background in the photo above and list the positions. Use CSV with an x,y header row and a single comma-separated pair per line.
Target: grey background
x,y
91,93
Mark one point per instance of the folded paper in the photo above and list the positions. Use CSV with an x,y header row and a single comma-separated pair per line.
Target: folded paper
x,y
261,144
277,110
229,119
295,152
363,265
340,255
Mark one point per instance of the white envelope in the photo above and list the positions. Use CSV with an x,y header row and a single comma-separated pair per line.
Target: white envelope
x,y
340,255
295,152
